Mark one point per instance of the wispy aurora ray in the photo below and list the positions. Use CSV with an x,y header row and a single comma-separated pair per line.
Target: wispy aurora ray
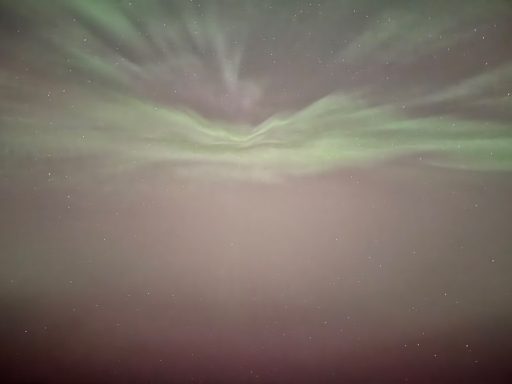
x,y
256,88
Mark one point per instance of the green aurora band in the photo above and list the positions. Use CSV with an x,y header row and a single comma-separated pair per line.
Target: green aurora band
x,y
255,89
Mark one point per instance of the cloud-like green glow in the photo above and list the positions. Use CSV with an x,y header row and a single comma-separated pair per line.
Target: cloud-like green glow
x,y
209,88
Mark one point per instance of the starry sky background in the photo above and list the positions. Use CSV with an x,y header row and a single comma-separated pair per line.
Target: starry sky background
x,y
255,191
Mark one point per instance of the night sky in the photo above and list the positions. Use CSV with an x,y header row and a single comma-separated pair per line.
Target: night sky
x,y
256,191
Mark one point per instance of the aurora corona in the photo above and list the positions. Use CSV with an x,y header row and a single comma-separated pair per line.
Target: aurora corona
x,y
199,86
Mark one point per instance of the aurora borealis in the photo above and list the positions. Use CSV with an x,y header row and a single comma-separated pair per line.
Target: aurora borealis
x,y
256,191
202,87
